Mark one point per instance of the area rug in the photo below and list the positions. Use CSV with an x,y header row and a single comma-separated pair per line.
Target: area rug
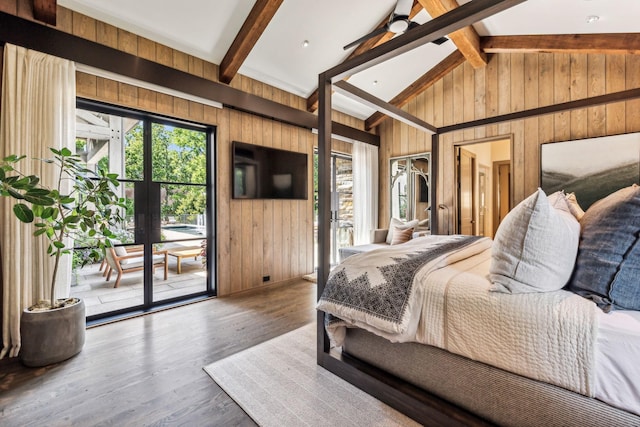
x,y
278,383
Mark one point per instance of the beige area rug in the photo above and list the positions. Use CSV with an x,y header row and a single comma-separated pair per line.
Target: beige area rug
x,y
278,383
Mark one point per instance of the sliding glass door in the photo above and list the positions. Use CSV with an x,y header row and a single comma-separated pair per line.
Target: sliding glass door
x,y
164,249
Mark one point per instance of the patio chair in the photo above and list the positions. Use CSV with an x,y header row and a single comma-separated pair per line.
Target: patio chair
x,y
122,262
129,249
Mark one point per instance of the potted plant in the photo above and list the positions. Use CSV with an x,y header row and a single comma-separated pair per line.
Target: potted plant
x,y
53,330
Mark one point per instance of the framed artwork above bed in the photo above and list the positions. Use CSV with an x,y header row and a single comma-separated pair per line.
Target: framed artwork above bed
x,y
591,168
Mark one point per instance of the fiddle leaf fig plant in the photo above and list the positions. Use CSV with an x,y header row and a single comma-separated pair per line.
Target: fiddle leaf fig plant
x,y
92,207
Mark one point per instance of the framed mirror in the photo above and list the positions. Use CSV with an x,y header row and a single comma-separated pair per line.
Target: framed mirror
x,y
410,188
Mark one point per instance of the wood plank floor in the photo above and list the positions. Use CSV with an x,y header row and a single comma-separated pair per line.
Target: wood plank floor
x,y
148,370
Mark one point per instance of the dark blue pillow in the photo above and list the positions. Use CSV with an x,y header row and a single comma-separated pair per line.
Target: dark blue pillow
x,y
607,267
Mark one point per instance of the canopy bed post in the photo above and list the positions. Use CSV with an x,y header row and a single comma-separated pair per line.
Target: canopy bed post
x,y
324,201
433,180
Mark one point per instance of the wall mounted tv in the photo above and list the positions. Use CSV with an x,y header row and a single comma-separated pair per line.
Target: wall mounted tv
x,y
268,173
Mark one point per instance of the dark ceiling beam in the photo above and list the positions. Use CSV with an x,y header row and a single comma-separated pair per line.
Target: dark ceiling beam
x,y
416,88
312,100
616,43
441,26
32,35
366,98
45,11
253,27
466,39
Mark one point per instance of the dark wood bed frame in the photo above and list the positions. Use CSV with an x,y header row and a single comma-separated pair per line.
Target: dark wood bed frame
x,y
416,403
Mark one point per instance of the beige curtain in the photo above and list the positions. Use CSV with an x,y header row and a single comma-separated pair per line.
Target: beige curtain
x,y
37,111
365,191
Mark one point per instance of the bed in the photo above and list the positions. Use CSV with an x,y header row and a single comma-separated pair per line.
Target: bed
x,y
515,331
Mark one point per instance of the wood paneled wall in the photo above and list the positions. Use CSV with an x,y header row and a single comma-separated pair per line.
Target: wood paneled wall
x,y
515,82
255,238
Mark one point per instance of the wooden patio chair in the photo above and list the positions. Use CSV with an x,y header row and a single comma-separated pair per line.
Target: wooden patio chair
x,y
121,261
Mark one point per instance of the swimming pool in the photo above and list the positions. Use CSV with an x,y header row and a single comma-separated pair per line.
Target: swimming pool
x,y
188,229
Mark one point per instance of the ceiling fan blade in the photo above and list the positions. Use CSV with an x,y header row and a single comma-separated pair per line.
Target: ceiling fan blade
x,y
373,33
440,41
437,41
403,8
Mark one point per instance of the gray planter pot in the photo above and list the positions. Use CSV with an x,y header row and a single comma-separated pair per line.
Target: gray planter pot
x,y
52,336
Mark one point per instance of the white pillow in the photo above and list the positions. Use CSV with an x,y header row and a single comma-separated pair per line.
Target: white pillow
x,y
535,247
401,225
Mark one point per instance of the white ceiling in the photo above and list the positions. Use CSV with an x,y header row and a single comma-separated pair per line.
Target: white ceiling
x,y
206,29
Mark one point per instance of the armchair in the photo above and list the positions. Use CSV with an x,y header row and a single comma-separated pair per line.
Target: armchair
x,y
121,261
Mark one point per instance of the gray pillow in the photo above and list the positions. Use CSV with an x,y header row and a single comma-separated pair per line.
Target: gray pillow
x,y
535,247
608,264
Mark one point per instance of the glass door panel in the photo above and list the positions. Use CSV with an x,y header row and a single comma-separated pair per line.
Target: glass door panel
x,y
341,205
399,189
179,167
165,178
110,143
343,190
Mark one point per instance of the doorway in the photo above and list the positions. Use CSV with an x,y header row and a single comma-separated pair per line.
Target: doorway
x,y
466,161
482,186
502,191
341,204
341,215
165,248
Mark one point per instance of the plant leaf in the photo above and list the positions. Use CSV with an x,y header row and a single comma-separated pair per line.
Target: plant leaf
x,y
23,213
39,200
15,194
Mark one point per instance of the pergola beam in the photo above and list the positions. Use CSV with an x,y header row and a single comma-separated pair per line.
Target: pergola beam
x,y
366,98
312,100
440,27
419,86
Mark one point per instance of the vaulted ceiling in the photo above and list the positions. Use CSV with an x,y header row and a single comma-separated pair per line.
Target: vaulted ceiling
x,y
288,43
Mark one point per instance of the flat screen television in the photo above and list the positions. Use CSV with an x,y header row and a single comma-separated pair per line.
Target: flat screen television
x,y
268,173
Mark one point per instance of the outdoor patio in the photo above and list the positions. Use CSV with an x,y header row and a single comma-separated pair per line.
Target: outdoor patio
x,y
100,296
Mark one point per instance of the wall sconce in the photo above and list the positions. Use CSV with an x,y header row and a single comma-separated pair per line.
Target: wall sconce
x,y
446,209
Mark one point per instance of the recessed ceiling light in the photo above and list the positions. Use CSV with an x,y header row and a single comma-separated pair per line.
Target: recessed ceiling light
x,y
592,18
305,43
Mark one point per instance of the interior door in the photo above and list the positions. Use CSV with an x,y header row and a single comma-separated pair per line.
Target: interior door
x,y
466,194
501,191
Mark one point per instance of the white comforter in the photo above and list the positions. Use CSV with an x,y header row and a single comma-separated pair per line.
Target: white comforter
x,y
547,336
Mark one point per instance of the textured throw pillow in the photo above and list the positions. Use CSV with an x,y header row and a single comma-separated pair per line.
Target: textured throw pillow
x,y
576,210
400,235
566,202
119,250
398,223
534,249
608,264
